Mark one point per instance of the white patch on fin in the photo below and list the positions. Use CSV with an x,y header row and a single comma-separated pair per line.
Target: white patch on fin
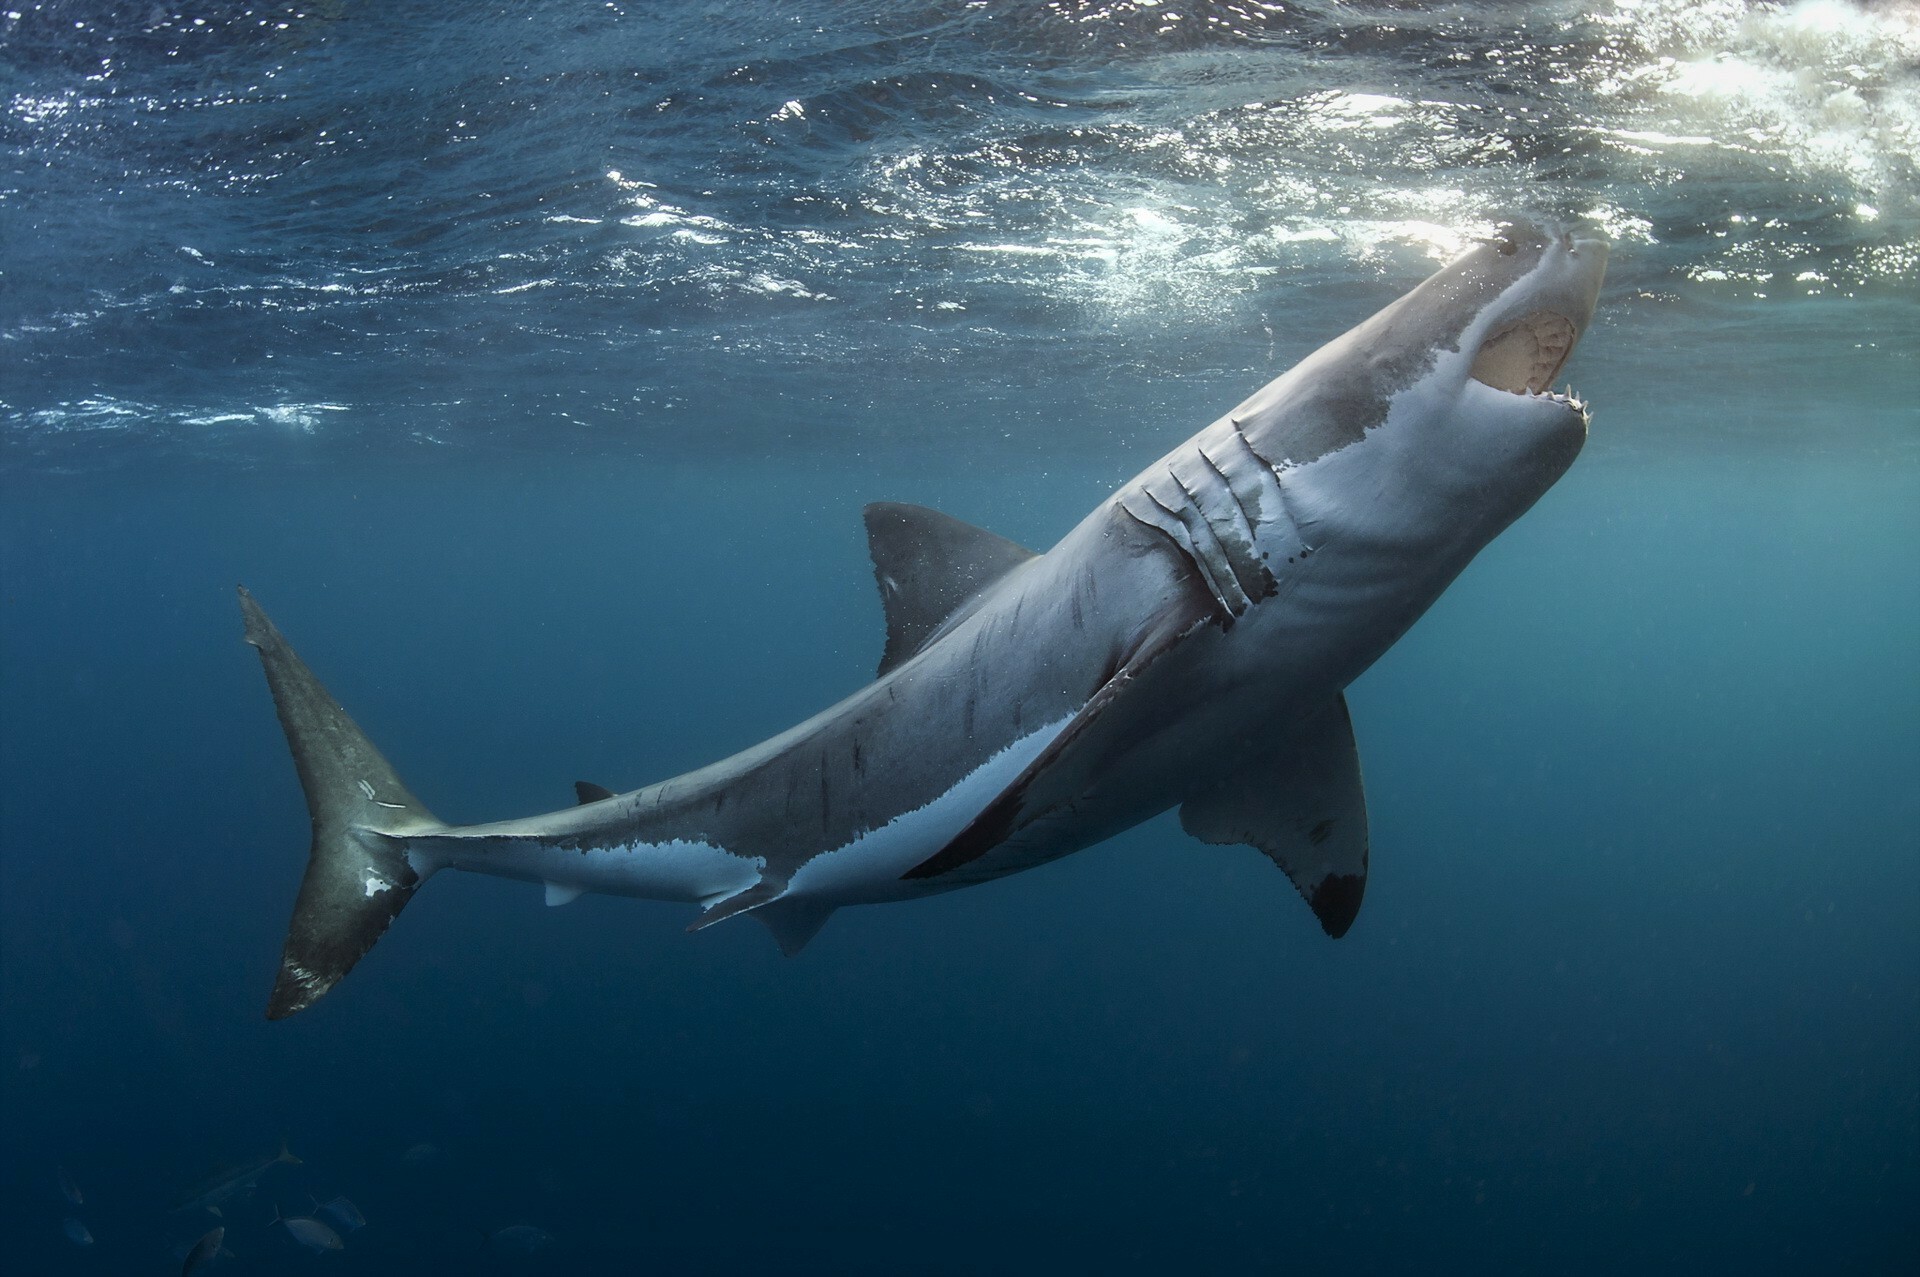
x,y
376,885
559,893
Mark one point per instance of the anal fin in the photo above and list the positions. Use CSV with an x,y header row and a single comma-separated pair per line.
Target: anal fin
x,y
1306,809
560,893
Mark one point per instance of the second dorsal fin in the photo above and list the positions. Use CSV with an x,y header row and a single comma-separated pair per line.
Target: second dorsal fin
x,y
927,565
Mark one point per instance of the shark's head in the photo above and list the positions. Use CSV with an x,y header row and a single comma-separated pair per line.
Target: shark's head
x,y
1501,321
1543,286
1449,390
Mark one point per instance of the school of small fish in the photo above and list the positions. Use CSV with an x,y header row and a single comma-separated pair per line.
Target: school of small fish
x,y
324,1227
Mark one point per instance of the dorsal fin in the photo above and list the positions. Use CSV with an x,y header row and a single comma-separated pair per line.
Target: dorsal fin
x,y
927,565
589,792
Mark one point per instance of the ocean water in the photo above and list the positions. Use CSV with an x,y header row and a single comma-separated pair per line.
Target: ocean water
x,y
532,362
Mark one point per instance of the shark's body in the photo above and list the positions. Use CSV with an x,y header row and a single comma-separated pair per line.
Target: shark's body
x,y
1186,644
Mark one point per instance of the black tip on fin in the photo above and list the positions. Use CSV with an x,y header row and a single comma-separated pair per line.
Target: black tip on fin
x,y
1336,902
588,792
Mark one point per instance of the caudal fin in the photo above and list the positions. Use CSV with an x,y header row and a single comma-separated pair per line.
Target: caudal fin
x,y
358,877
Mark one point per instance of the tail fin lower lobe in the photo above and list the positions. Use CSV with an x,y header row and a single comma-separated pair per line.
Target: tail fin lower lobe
x,y
358,877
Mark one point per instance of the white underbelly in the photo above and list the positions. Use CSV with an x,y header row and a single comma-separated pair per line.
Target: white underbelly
x,y
868,870
695,872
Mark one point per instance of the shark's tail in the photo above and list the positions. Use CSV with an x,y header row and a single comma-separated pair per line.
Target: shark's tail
x,y
358,875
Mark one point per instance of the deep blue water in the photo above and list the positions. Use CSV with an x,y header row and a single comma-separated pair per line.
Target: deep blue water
x,y
556,474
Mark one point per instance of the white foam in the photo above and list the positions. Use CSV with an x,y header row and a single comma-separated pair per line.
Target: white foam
x,y
1824,85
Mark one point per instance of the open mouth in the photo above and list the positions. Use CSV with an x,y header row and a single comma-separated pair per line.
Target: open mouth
x,y
1524,357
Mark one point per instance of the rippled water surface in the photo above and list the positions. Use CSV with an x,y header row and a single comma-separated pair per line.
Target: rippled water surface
x,y
532,361
403,227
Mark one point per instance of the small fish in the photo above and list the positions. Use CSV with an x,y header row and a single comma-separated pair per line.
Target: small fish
x,y
344,1214
209,1248
421,1154
223,1184
77,1232
522,1239
308,1231
69,1189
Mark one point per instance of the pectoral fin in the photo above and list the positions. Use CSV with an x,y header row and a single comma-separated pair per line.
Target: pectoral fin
x,y
1306,809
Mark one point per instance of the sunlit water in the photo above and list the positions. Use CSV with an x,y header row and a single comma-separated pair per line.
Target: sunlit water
x,y
532,365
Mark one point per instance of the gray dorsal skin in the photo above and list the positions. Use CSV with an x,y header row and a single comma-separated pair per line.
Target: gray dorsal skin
x,y
1185,645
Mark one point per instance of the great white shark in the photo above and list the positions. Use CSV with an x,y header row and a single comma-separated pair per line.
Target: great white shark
x,y
1187,644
